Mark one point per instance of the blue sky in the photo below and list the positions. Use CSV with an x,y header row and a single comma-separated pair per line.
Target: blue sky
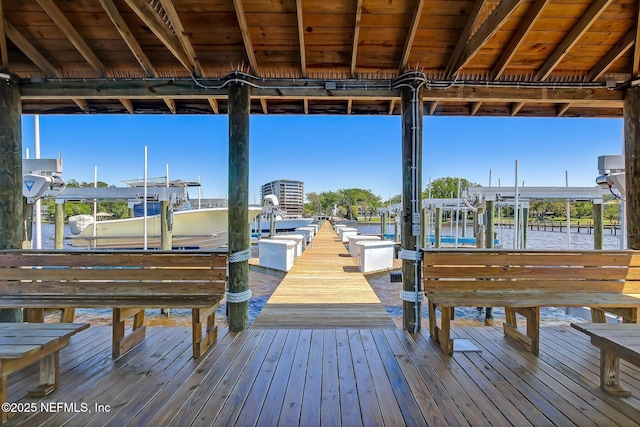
x,y
327,153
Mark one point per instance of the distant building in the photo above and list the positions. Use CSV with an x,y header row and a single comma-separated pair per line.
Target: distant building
x,y
290,195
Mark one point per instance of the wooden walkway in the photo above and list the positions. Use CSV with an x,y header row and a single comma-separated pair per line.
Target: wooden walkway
x,y
324,377
324,289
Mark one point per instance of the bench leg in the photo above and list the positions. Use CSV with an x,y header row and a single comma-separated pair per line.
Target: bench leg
x,y
433,324
121,343
610,375
444,334
33,315
202,341
67,315
531,340
48,375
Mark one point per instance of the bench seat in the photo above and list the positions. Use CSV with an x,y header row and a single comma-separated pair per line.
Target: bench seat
x,y
524,281
125,281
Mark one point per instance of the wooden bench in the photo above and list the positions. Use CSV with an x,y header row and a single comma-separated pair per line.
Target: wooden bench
x,y
128,282
22,344
524,281
615,341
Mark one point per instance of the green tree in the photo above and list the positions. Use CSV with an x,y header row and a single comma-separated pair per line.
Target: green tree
x,y
447,187
314,205
328,199
354,198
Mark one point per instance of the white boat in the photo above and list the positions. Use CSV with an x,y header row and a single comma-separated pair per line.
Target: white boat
x,y
192,229
283,222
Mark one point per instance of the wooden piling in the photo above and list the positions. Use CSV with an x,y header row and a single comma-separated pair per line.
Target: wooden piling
x,y
437,238
239,233
11,200
525,222
490,227
58,241
632,164
411,197
598,226
166,235
383,224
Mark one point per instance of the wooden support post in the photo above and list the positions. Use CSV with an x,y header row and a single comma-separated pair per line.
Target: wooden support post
x,y
479,227
437,241
632,164
239,233
423,228
490,224
166,237
383,224
411,199
272,224
11,200
525,224
598,226
464,224
58,241
27,224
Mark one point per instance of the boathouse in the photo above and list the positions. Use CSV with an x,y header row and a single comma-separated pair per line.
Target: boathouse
x,y
413,58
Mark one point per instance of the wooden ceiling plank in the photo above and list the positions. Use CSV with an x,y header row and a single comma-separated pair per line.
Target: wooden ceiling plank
x,y
128,104
4,52
523,30
180,32
464,37
413,28
392,106
636,50
161,31
244,29
128,37
72,34
612,56
29,50
265,107
356,36
578,30
171,104
214,105
303,54
488,28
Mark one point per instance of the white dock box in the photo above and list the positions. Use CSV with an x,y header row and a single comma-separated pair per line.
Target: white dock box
x,y
337,227
347,232
307,231
375,256
277,254
298,238
353,240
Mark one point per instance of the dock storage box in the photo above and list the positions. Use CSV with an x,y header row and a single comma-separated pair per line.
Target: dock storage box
x,y
298,238
375,256
353,243
347,232
277,254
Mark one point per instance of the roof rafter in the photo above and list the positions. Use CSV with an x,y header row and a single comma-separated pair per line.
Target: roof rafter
x,y
178,28
464,37
523,30
74,37
475,106
4,53
612,56
126,34
162,31
488,28
244,28
171,105
303,53
29,50
306,106
356,36
392,106
265,107
83,105
433,107
563,108
128,105
214,105
578,30
349,106
404,59
515,108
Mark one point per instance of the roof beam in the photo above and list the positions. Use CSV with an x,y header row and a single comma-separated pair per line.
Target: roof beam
x,y
515,108
636,51
612,56
356,36
404,59
563,108
214,105
303,53
29,50
475,106
178,28
488,28
244,28
265,107
74,37
464,37
392,106
306,106
523,30
171,105
432,108
128,105
4,53
83,105
162,31
349,106
578,30
126,34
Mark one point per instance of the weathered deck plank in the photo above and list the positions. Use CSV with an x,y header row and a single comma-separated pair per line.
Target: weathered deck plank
x,y
268,377
324,289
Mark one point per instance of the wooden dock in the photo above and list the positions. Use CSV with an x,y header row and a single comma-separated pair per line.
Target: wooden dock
x,y
329,377
324,289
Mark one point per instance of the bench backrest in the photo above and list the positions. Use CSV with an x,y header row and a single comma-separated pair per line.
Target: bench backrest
x,y
530,271
112,273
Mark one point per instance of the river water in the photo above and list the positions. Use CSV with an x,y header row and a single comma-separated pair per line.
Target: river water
x,y
263,285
